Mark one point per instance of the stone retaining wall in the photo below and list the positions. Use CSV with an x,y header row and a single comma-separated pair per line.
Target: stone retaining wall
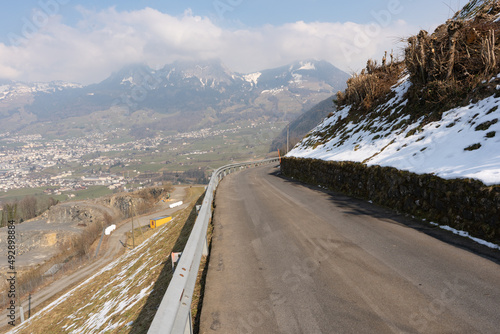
x,y
463,204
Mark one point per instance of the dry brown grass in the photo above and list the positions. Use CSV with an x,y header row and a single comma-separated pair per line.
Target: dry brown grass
x,y
199,291
153,254
78,250
364,90
447,68
457,56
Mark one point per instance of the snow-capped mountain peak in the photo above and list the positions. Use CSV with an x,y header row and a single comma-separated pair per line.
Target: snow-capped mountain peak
x,y
252,78
14,90
307,66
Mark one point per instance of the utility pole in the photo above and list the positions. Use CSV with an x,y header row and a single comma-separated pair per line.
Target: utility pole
x,y
140,227
287,138
133,238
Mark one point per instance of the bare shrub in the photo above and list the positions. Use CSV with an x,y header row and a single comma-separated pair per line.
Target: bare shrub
x,y
80,244
108,219
465,51
374,82
28,207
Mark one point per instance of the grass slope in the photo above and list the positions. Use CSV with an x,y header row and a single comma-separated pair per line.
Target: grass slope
x,y
122,297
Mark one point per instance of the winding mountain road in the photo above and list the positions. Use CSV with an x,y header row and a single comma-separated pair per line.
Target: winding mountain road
x,y
290,258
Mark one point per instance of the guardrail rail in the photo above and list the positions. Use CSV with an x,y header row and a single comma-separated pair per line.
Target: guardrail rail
x,y
174,313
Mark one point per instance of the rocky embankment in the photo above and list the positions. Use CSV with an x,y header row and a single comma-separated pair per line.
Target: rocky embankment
x,y
464,204
41,236
38,239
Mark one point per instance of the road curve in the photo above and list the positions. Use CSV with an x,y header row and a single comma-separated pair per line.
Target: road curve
x,y
289,258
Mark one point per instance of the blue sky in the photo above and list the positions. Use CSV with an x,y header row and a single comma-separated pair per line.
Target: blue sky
x,y
78,41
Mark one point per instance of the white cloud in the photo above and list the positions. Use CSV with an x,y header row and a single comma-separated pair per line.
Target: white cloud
x,y
103,42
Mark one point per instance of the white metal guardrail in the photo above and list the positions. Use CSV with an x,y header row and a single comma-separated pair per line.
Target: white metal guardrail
x,y
174,314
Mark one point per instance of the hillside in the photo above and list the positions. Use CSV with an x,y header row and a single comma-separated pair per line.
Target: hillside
x,y
436,112
125,293
300,126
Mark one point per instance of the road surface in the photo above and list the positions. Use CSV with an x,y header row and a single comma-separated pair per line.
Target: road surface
x,y
290,258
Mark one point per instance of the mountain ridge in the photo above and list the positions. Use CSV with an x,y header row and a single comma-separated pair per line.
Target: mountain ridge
x,y
206,91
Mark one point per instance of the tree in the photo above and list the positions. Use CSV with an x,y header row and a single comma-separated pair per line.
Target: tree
x,y
52,202
4,218
9,212
168,187
28,207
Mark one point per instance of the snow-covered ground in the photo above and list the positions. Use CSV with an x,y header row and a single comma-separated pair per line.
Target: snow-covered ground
x,y
252,78
465,143
16,89
306,66
467,235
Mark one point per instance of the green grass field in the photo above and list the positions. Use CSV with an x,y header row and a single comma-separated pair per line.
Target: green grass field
x,y
248,142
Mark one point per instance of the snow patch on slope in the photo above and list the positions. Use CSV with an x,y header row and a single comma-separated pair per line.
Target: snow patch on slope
x,y
465,143
307,66
274,91
19,89
102,313
130,80
252,78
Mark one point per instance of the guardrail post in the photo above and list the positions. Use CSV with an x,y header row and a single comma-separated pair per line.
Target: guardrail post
x,y
189,325
22,313
205,247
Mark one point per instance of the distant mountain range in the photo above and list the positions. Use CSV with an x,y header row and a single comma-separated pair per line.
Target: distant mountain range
x,y
304,123
180,96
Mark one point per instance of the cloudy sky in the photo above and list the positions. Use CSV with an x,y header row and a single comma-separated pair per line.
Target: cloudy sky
x,y
85,41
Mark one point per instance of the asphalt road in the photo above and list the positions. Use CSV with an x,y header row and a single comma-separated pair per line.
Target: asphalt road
x,y
289,258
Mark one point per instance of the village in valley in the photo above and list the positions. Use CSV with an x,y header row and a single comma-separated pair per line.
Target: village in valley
x,y
62,167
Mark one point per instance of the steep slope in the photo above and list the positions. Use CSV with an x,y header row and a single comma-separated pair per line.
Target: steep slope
x,y
437,112
462,144
303,124
125,293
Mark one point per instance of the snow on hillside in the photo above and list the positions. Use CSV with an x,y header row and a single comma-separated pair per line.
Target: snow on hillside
x,y
465,143
130,80
472,8
17,89
306,66
252,78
